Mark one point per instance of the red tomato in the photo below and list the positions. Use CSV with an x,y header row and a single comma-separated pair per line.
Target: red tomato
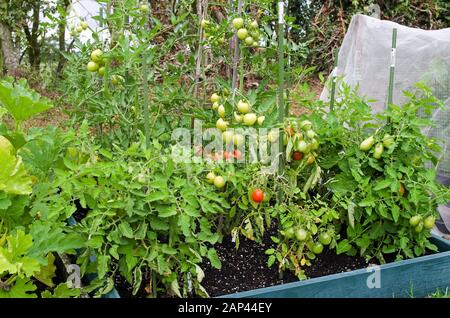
x,y
297,155
258,195
227,155
237,154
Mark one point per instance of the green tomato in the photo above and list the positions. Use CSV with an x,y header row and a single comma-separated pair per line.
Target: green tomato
x,y
272,136
415,220
238,118
250,119
238,23
317,248
301,234
325,238
210,177
429,222
238,140
306,125
419,227
84,25
289,233
249,40
254,24
215,98
302,146
367,144
388,140
144,8
101,71
242,34
221,124
378,151
96,55
219,182
261,120
221,111
243,107
311,134
92,66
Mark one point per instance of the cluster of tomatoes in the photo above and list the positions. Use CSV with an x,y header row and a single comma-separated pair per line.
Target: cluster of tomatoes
x,y
247,32
419,224
97,64
75,31
303,236
378,150
304,142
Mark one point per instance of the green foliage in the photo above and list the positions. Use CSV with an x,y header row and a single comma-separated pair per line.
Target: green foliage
x,y
20,101
368,191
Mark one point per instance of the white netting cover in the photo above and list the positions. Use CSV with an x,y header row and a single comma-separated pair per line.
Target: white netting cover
x,y
421,56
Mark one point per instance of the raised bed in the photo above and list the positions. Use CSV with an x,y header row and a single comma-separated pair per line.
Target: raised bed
x,y
416,277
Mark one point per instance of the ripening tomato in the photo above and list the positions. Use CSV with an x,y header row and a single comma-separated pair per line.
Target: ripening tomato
x,y
415,220
227,155
429,222
92,66
238,23
258,195
210,177
250,119
237,154
297,155
243,107
215,98
401,191
96,55
310,159
249,40
367,143
219,182
242,33
290,131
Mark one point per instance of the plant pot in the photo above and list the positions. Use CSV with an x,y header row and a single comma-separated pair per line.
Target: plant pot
x,y
416,277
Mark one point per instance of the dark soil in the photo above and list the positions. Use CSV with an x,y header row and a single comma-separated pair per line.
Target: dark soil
x,y
125,289
246,268
80,213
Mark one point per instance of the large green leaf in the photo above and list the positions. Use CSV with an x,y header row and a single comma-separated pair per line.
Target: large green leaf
x,y
21,289
20,101
14,258
52,239
13,177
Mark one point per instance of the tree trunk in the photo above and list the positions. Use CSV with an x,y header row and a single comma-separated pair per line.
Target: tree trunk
x,y
9,52
34,49
63,4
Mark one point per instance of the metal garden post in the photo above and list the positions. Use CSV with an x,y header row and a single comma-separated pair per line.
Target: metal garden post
x,y
281,112
333,81
392,67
